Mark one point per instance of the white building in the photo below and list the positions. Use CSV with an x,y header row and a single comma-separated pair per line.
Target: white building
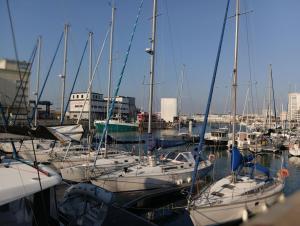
x,y
99,103
10,86
294,106
168,109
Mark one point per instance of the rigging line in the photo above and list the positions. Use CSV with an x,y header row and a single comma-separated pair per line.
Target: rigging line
x,y
14,40
76,76
203,128
31,61
5,121
274,104
94,72
112,105
39,178
21,81
47,76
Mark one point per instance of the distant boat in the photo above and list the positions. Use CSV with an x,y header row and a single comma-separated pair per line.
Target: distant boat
x,y
294,149
217,137
115,126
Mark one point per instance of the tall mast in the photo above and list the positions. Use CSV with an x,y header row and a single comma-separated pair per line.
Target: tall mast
x,y
110,69
63,77
235,69
180,96
90,77
152,53
38,72
270,97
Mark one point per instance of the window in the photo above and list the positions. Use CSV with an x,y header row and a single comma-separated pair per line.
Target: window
x,y
81,95
171,155
77,96
181,158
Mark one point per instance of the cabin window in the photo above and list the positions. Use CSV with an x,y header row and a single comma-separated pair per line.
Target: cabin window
x,y
229,186
219,194
171,155
181,158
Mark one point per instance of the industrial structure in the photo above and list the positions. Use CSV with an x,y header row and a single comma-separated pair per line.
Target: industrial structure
x,y
14,87
168,109
294,107
124,107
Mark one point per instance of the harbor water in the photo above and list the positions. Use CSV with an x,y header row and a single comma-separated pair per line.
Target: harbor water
x,y
170,210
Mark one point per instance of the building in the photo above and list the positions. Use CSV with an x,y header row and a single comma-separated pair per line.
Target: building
x,y
294,107
168,109
14,87
124,106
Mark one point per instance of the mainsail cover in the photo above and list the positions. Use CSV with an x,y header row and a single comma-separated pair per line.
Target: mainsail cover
x,y
236,159
68,132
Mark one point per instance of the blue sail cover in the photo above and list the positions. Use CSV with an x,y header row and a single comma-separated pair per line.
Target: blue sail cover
x,y
236,159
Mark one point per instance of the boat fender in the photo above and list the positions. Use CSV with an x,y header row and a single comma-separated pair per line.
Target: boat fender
x,y
189,180
281,198
179,182
264,207
245,215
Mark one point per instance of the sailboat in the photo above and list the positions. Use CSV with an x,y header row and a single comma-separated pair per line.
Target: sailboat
x,y
243,192
175,170
111,157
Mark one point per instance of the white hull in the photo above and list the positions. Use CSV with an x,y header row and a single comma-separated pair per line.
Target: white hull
x,y
227,201
227,213
19,180
294,152
150,181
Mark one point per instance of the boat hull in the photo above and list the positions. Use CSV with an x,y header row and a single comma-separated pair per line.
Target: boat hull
x,y
116,127
147,182
232,212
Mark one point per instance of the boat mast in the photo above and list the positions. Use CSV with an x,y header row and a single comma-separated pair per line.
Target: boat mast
x,y
38,72
235,69
180,97
270,97
152,53
90,77
63,76
109,70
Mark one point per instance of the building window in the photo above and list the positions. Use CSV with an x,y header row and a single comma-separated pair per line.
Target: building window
x,y
77,96
81,95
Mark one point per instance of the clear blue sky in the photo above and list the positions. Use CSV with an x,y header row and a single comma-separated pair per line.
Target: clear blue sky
x,y
188,33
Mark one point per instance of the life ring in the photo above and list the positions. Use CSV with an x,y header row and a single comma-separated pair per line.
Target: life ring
x,y
283,173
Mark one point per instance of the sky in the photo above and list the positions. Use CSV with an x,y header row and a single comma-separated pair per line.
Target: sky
x,y
188,33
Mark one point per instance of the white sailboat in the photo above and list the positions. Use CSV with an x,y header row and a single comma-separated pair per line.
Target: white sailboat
x,y
152,174
111,157
175,170
242,193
